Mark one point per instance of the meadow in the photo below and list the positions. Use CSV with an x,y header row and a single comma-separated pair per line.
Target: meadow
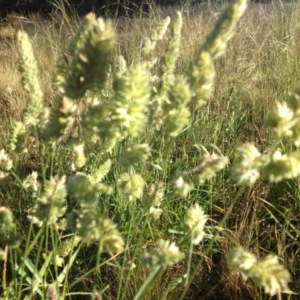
x,y
151,157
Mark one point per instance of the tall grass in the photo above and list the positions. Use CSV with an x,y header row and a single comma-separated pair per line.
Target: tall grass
x,y
156,197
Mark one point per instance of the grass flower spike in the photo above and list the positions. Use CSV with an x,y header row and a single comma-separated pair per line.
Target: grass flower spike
x,y
80,158
100,172
247,161
281,119
65,249
165,254
110,240
90,64
51,204
31,184
202,71
7,223
267,272
131,101
8,235
30,82
283,166
202,76
183,184
209,166
168,61
18,138
61,118
216,42
194,222
135,155
5,164
131,185
175,112
156,35
87,219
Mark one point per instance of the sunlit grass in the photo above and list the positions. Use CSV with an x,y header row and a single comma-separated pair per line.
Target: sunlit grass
x,y
261,66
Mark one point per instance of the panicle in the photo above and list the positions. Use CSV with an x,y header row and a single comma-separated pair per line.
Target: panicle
x,y
209,166
194,222
157,192
8,235
91,60
7,222
5,164
156,35
246,165
155,212
52,292
18,138
87,220
165,254
168,61
66,248
28,68
175,115
131,101
80,158
93,228
202,70
284,119
282,166
202,76
216,42
100,172
61,70
131,185
281,119
183,184
51,204
154,198
31,184
111,239
61,119
134,155
121,67
84,191
267,272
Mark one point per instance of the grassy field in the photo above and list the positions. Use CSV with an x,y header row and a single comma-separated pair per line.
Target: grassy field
x,y
88,221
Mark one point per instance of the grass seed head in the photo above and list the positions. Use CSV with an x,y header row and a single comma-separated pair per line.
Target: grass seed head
x,y
51,204
282,166
31,184
30,82
6,164
165,254
209,166
18,138
245,170
194,222
267,272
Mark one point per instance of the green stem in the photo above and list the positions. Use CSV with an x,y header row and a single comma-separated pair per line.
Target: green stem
x,y
210,245
122,288
148,283
189,264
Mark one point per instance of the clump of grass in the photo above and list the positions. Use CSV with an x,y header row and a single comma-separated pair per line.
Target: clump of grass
x,y
127,168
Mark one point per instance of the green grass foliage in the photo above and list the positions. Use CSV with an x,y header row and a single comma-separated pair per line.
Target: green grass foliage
x,y
127,180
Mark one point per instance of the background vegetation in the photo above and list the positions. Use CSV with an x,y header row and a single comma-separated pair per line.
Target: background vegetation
x,y
261,66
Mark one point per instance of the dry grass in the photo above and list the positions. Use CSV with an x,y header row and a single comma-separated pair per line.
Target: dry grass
x,y
261,66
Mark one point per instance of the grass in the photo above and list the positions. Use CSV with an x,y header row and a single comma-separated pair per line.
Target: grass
x,y
260,67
